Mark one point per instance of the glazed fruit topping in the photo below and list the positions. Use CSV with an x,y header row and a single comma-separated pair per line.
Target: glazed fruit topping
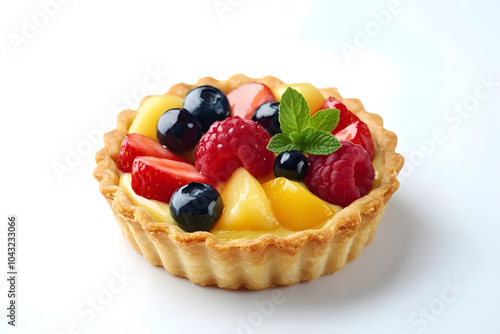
x,y
350,127
311,94
208,104
178,130
267,115
292,165
345,117
150,109
240,149
196,207
294,206
341,177
245,99
358,133
232,143
136,145
246,205
157,178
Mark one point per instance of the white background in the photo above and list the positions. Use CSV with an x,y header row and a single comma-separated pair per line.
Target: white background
x,y
63,76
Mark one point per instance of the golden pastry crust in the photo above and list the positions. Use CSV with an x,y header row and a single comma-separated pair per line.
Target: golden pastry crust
x,y
268,260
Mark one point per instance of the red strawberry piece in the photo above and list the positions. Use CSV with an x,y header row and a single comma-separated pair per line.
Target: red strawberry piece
x,y
350,127
157,178
358,133
135,145
245,99
232,143
341,177
346,117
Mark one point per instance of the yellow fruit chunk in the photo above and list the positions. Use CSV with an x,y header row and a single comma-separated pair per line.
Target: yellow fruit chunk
x,y
296,207
150,111
246,206
312,95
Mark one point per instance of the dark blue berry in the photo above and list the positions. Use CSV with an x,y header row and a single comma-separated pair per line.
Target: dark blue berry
x,y
293,165
196,207
208,104
267,116
178,130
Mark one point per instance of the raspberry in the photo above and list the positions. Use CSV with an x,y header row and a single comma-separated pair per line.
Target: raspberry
x,y
341,177
232,143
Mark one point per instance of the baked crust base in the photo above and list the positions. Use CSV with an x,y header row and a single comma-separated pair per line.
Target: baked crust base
x,y
266,261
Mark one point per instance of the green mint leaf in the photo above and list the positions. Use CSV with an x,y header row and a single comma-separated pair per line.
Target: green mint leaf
x,y
294,112
301,139
320,143
325,120
280,143
300,131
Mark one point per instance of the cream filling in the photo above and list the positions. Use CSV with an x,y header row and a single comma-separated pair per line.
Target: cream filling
x,y
377,162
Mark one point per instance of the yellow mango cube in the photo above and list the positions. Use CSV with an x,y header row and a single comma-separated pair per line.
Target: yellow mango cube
x,y
246,206
312,95
295,207
150,111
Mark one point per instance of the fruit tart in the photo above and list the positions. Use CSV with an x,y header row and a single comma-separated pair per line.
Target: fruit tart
x,y
248,183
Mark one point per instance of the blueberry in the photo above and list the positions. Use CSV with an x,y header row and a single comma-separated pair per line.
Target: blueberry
x,y
178,130
208,104
293,165
196,207
267,116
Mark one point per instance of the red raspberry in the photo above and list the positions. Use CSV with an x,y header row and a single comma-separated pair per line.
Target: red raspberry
x,y
232,143
341,177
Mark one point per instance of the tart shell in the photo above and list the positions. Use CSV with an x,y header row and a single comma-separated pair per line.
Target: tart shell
x,y
268,260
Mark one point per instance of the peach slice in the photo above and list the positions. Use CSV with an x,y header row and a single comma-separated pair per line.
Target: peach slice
x,y
295,207
149,112
312,95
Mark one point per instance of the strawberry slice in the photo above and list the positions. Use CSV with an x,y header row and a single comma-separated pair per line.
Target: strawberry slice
x,y
245,99
346,117
358,133
135,145
157,178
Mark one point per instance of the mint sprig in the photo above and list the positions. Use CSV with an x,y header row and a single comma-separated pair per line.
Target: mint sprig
x,y
301,132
